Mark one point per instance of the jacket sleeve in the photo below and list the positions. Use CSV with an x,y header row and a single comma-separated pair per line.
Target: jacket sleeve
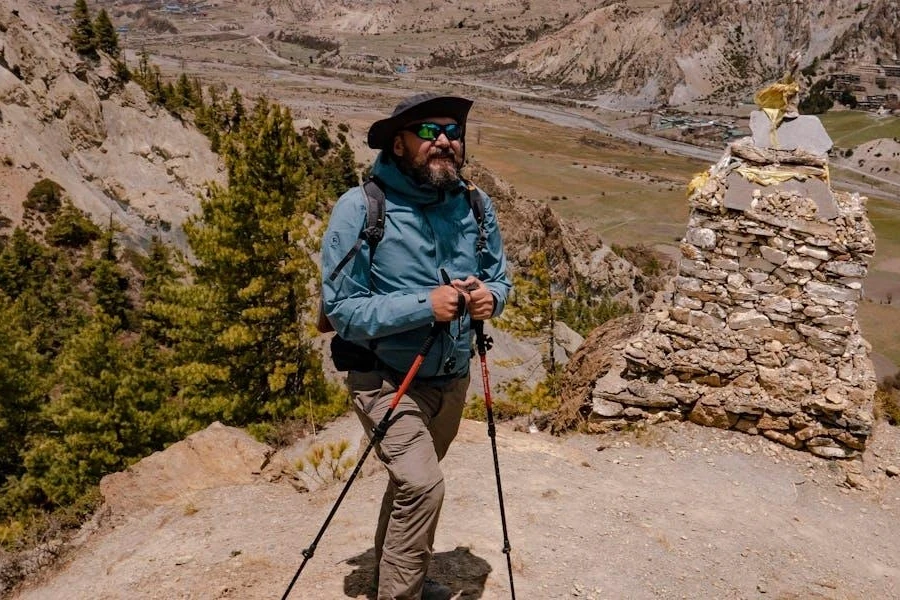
x,y
354,311
492,263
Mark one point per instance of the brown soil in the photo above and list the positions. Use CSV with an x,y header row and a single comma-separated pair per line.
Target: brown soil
x,y
678,511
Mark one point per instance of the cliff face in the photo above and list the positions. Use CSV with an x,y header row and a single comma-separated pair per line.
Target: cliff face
x,y
695,49
75,122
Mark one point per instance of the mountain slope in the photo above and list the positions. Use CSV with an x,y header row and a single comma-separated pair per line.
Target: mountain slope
x,y
74,122
702,48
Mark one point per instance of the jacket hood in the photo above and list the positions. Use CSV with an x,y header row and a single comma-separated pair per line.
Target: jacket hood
x,y
405,186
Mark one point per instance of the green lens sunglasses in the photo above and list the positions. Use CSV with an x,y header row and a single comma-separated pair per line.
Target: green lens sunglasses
x,y
432,131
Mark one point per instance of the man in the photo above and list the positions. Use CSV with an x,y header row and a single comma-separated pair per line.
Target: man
x,y
434,263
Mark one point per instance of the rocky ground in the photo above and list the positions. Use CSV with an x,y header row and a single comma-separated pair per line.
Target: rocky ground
x,y
676,511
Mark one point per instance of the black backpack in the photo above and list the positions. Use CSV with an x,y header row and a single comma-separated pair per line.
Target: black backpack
x,y
349,356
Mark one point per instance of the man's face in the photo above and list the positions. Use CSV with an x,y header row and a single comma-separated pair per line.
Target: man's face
x,y
436,161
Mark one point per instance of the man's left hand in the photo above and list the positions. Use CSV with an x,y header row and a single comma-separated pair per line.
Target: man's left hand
x,y
481,300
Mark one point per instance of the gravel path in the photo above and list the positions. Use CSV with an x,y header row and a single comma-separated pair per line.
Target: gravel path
x,y
677,512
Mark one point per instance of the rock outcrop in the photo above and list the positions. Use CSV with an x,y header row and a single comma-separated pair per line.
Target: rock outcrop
x,y
217,456
758,332
76,122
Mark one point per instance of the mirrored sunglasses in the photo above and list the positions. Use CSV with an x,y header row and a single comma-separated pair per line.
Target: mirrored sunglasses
x,y
432,131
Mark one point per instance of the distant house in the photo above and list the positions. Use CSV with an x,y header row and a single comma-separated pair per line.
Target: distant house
x,y
847,79
891,70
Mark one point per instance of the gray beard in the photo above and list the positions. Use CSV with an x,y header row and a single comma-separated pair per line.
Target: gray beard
x,y
441,179
444,178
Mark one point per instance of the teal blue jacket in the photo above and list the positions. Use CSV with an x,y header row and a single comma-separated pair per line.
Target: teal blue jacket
x,y
386,305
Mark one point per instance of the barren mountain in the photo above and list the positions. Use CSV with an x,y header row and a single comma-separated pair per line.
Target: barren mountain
x,y
702,49
630,53
75,122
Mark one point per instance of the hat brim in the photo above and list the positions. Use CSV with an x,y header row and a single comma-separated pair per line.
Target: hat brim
x,y
381,133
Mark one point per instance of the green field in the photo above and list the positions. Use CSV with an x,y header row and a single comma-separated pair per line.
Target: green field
x,y
849,128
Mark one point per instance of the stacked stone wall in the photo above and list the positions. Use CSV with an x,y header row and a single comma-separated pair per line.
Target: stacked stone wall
x,y
758,331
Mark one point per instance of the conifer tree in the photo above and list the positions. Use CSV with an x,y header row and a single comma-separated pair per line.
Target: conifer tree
x,y
530,309
110,287
344,169
184,92
236,110
106,415
82,34
105,37
142,76
20,389
240,330
158,273
40,282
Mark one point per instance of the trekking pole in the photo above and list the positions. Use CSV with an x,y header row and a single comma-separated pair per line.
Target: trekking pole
x,y
378,433
484,343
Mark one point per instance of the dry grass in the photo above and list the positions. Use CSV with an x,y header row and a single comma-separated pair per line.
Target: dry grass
x,y
849,128
622,192
879,324
887,405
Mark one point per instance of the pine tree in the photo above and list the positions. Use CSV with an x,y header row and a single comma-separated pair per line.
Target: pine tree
x,y
110,287
42,285
107,414
529,311
158,274
236,110
105,37
184,92
345,169
323,140
144,72
240,329
20,389
82,34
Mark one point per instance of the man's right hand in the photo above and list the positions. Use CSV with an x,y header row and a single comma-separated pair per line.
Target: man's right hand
x,y
445,302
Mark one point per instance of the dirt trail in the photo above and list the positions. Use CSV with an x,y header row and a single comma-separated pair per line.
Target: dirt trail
x,y
677,512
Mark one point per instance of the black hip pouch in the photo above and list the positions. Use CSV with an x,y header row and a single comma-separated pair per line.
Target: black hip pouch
x,y
348,356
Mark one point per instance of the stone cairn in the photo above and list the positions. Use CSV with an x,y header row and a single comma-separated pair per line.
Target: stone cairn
x,y
758,331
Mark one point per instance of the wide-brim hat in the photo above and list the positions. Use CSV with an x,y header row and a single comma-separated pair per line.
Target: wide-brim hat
x,y
420,106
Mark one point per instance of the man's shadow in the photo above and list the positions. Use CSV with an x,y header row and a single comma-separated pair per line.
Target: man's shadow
x,y
459,569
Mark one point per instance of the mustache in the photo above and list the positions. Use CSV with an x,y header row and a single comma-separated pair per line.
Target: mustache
x,y
438,153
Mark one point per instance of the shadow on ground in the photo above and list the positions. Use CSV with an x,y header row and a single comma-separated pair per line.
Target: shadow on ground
x,y
459,569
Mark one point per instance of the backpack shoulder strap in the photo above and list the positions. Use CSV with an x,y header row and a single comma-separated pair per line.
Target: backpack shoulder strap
x,y
373,190
373,229
476,205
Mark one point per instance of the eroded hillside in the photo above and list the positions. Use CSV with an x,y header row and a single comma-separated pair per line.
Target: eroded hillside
x,y
76,122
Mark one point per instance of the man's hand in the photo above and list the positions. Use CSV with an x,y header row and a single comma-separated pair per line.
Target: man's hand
x,y
481,300
445,302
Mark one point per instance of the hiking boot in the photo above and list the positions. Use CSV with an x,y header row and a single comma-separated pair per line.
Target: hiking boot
x,y
432,590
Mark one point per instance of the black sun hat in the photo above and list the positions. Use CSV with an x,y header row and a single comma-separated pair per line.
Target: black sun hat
x,y
420,106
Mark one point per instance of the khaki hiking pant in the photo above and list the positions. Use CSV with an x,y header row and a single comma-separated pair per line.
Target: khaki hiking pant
x,y
422,426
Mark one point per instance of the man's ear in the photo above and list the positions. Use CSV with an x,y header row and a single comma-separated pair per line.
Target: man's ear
x,y
398,145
